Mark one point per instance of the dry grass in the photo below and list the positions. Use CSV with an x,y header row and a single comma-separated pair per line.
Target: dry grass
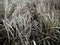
x,y
27,23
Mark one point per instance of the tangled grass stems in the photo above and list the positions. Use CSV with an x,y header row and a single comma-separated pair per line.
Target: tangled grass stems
x,y
27,23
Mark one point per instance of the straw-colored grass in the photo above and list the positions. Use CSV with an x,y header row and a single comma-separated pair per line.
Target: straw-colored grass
x,y
34,23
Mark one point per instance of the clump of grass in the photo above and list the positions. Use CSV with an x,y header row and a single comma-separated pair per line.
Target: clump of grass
x,y
27,23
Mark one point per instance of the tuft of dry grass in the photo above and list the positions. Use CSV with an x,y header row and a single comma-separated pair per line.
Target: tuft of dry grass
x,y
35,23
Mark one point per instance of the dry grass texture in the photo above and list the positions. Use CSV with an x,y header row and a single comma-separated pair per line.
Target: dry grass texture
x,y
35,23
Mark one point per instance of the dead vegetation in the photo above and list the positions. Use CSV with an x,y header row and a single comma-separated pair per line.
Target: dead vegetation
x,y
35,23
